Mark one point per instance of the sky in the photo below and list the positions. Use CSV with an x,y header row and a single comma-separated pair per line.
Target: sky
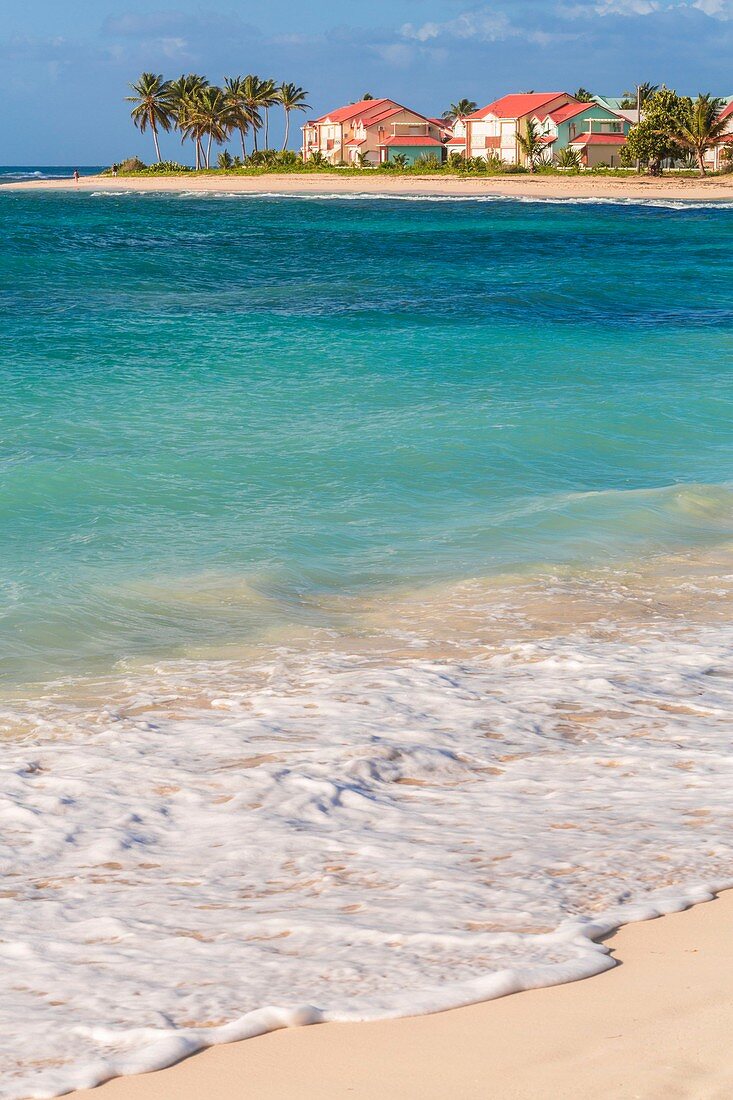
x,y
65,65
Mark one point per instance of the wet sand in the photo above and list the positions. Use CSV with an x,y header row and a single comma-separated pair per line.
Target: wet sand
x,y
656,1027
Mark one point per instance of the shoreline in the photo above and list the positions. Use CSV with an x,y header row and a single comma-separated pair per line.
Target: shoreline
x,y
715,189
655,1025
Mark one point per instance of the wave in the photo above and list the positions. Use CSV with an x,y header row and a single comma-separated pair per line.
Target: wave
x,y
382,196
442,806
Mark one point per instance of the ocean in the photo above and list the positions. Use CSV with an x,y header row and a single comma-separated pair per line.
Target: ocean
x,y
365,603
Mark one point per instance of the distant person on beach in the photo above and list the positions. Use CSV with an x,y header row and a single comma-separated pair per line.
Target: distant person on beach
x,y
114,170
76,175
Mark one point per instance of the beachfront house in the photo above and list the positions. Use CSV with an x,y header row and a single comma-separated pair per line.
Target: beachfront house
x,y
376,128
494,130
717,157
597,133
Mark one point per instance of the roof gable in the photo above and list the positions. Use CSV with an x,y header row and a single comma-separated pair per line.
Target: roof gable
x,y
354,110
519,105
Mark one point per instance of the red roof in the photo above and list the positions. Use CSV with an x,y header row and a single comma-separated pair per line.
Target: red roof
x,y
727,111
570,110
415,139
547,139
460,141
355,141
517,106
599,139
364,106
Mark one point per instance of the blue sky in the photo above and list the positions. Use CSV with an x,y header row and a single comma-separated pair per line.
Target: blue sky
x,y
65,64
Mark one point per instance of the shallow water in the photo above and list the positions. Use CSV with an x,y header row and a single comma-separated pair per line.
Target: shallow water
x,y
365,576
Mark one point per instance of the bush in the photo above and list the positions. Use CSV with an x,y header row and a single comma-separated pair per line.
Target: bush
x,y
165,168
426,162
132,164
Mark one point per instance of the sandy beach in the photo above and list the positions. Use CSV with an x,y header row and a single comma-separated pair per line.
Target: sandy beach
x,y
656,1026
521,186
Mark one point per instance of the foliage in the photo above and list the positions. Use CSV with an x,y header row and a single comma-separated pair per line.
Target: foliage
x,y
293,99
225,160
426,162
456,161
651,141
532,146
399,160
639,96
153,106
584,96
164,168
569,158
699,127
459,110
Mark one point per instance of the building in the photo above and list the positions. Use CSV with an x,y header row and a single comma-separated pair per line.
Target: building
x,y
373,130
597,133
494,130
717,157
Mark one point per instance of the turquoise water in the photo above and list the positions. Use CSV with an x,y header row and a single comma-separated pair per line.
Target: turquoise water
x,y
218,413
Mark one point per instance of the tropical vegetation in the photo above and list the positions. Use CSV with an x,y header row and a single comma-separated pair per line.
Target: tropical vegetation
x,y
209,115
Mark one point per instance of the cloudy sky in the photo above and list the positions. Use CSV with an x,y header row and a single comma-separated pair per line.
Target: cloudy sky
x,y
64,66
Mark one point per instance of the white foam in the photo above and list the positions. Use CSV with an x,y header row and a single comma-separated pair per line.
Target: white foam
x,y
382,196
344,837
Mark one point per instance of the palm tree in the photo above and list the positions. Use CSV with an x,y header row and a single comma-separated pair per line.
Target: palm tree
x,y
635,100
239,108
531,144
211,117
184,92
269,96
399,160
293,99
254,90
459,110
700,126
153,106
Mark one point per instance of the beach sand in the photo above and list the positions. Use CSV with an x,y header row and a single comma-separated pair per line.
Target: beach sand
x,y
659,1025
524,186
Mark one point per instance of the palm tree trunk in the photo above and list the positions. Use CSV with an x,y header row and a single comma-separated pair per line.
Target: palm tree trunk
x,y
267,127
208,150
155,139
701,161
287,130
244,150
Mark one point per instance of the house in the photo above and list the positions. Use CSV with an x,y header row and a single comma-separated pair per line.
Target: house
x,y
375,130
718,156
494,130
597,133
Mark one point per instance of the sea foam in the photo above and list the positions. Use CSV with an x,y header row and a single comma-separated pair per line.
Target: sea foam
x,y
202,851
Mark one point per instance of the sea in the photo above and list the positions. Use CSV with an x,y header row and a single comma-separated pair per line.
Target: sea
x,y
366,588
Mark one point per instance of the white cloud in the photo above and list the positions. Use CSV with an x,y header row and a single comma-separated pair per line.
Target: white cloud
x,y
716,9
483,25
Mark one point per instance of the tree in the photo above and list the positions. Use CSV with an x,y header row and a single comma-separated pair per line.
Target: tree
x,y
212,117
636,100
253,93
269,96
699,126
584,96
293,99
650,142
399,160
366,96
459,110
183,93
153,106
532,145
240,115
